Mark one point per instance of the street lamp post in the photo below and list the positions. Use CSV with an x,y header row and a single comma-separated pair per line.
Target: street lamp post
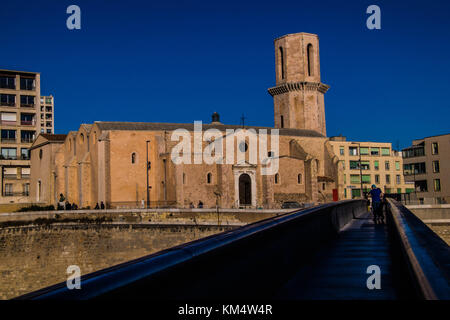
x,y
360,168
147,167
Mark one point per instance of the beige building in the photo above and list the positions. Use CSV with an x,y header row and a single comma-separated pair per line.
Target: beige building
x,y
47,116
427,166
107,161
380,165
20,108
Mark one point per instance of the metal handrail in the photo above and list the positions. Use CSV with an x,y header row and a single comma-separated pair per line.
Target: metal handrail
x,y
400,216
103,281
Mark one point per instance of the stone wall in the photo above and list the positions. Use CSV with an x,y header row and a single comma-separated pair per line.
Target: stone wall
x,y
38,256
37,247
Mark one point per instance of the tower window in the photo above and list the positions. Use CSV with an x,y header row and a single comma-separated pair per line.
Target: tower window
x,y
310,55
133,158
299,178
282,62
277,178
282,121
209,178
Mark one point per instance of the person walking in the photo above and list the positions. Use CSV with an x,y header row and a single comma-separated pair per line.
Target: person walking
x,y
377,208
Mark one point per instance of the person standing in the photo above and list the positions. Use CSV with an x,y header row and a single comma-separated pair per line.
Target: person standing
x,y
377,208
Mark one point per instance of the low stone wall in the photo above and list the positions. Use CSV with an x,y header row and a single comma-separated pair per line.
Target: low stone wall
x,y
38,256
431,212
37,247
153,216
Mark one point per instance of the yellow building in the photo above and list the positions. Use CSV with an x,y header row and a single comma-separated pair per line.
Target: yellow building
x,y
380,165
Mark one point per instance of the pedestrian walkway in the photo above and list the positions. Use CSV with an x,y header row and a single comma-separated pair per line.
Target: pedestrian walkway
x,y
339,271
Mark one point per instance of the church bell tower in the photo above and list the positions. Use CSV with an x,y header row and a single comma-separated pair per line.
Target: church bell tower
x,y
298,95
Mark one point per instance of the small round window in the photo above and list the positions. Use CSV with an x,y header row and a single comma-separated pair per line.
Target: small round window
x,y
243,146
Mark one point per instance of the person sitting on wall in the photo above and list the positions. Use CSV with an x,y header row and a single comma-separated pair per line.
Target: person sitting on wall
x,y
200,204
97,206
74,206
102,205
191,205
68,206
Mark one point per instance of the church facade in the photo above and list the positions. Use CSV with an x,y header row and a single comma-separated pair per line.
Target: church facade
x,y
115,162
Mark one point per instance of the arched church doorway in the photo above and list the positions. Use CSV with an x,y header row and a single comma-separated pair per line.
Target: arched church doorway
x,y
245,190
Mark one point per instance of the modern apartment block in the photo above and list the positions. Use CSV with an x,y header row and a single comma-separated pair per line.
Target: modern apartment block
x,y
427,166
20,109
47,116
380,165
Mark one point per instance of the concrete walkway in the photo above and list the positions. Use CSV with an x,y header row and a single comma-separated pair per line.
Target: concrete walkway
x,y
339,271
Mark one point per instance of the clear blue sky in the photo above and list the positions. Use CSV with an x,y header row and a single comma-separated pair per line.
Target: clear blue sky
x,y
179,61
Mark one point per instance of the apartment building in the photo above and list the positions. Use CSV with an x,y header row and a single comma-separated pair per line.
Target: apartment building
x,y
427,167
47,107
374,163
20,111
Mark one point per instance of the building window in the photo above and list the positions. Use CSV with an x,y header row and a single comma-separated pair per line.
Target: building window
x,y
353,151
282,62
366,178
133,158
354,165
7,99
48,130
386,165
385,152
25,154
8,189
310,54
9,136
341,151
299,178
7,82
376,165
398,179
436,166
27,84
270,154
323,186
399,190
26,189
377,178
277,178
388,179
365,165
9,153
27,101
209,178
421,186
437,184
375,151
434,148
355,178
184,178
282,122
397,165
364,151
243,146
345,178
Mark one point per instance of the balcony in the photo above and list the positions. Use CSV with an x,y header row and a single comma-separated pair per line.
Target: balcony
x,y
8,140
8,123
10,176
7,104
27,122
27,105
27,140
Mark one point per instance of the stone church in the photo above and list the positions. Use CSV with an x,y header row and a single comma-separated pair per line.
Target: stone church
x,y
114,162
